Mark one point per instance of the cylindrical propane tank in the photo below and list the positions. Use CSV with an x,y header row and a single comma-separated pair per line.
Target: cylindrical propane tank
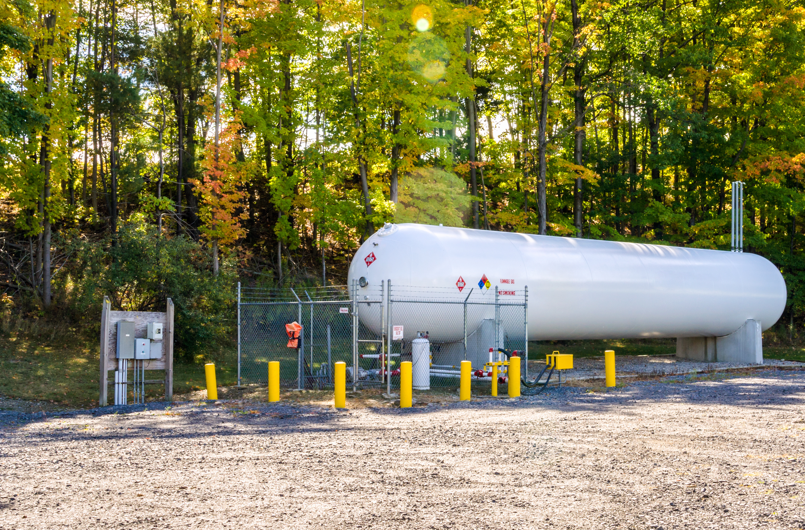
x,y
420,359
577,288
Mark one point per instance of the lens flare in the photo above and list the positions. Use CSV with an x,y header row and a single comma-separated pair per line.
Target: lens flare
x,y
428,55
422,17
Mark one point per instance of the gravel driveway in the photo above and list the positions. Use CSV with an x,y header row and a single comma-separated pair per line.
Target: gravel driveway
x,y
717,453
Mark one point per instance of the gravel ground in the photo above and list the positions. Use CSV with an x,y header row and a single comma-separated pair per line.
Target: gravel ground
x,y
636,365
721,452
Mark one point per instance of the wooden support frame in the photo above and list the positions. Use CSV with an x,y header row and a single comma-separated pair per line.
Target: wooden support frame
x,y
108,360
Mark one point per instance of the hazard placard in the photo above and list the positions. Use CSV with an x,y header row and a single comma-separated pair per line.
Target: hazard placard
x,y
460,284
397,333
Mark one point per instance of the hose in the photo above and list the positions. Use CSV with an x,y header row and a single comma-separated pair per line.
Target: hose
x,y
530,388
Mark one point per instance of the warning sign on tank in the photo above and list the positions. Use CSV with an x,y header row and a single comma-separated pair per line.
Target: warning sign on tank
x,y
370,259
460,284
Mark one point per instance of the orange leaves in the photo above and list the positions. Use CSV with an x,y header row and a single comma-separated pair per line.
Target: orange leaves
x,y
233,63
773,168
220,187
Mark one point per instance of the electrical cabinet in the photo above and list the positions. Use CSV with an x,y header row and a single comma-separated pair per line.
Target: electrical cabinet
x,y
125,339
154,330
142,349
156,350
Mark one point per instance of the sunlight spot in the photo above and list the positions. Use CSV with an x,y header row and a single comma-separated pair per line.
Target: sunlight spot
x,y
422,17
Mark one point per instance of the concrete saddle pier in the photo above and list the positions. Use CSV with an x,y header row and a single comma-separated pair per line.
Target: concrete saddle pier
x,y
744,345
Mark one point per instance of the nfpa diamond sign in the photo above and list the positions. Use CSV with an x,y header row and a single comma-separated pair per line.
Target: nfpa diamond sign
x,y
460,284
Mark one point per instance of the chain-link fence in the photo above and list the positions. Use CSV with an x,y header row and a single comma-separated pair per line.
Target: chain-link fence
x,y
373,329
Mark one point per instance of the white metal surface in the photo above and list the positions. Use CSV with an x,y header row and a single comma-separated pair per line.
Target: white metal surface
x,y
420,361
578,288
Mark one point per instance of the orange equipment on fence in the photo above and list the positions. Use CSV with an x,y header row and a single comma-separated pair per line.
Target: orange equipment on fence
x,y
293,330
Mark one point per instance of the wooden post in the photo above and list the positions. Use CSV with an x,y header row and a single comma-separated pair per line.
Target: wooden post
x,y
107,306
169,354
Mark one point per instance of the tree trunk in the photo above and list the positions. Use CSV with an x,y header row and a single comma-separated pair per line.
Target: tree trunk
x,y
113,162
395,156
580,108
218,116
50,23
361,160
470,106
542,142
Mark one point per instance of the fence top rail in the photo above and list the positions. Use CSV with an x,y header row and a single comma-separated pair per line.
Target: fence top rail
x,y
332,293
342,303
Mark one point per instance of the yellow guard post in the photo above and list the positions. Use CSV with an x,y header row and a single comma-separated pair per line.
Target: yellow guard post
x,y
273,381
466,375
340,385
514,377
212,387
406,381
609,367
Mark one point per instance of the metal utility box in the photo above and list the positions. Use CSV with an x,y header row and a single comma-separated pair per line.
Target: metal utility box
x,y
156,350
560,361
154,330
125,339
142,349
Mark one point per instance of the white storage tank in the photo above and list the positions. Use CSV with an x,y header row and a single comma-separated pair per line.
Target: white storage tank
x,y
420,364
577,288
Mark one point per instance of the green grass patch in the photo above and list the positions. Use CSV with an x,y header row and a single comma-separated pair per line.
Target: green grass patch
x,y
596,348
784,353
63,369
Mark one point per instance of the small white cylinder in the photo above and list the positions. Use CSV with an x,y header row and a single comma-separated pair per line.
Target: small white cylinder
x,y
420,357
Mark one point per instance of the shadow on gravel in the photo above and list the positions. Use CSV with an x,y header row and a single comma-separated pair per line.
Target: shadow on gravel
x,y
763,391
189,420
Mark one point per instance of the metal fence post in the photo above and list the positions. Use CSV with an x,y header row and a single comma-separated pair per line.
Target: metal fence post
x,y
239,381
300,368
497,322
388,337
465,323
525,320
354,335
384,368
311,331
329,357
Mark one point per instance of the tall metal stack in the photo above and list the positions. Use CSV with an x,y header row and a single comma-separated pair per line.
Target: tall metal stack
x,y
737,243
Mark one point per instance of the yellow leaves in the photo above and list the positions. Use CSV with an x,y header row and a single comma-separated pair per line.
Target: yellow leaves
x,y
567,172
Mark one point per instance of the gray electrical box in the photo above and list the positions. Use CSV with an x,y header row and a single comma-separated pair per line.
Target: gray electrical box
x,y
156,350
142,349
125,339
154,330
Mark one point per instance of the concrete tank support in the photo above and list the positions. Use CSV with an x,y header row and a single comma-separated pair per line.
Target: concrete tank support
x,y
745,345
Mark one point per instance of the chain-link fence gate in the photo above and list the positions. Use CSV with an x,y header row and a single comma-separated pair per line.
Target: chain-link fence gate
x,y
372,330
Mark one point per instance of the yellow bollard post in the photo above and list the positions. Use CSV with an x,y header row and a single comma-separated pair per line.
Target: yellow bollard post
x,y
212,387
514,377
406,380
494,380
273,381
340,385
466,374
609,367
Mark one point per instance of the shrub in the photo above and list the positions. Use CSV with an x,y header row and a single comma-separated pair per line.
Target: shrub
x,y
139,270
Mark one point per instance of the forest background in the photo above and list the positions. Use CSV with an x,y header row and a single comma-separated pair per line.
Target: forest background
x,y
171,148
